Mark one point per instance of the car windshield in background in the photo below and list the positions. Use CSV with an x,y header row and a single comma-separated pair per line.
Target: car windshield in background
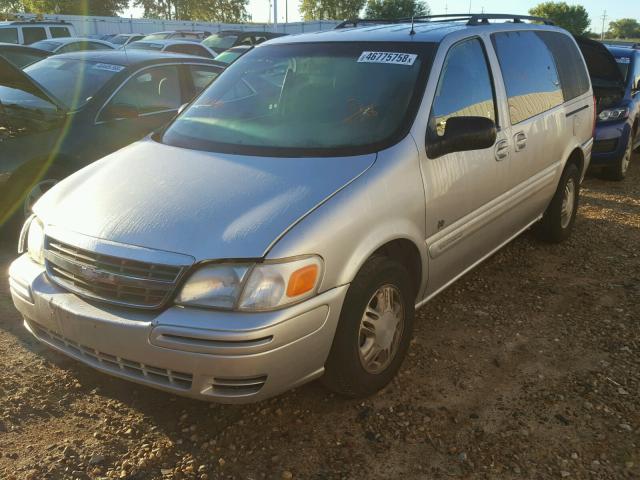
x,y
623,65
220,42
119,39
157,36
308,99
145,46
73,82
229,56
46,45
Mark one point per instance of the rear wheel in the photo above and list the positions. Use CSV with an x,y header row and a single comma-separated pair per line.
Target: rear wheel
x,y
618,172
374,330
557,221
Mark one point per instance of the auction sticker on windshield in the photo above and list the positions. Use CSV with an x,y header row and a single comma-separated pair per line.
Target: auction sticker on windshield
x,y
388,57
108,67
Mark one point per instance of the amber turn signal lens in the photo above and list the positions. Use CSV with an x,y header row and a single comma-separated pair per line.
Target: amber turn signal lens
x,y
302,280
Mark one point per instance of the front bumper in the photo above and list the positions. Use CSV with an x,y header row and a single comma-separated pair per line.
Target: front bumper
x,y
229,357
610,143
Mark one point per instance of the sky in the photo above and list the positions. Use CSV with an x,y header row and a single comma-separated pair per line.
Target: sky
x,y
259,9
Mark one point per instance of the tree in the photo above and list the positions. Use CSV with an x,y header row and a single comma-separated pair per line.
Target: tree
x,y
226,11
388,9
624,28
330,9
9,7
570,17
75,7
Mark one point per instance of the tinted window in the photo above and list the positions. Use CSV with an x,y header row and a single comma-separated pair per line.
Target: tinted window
x,y
202,76
529,73
22,59
636,71
33,34
152,90
47,45
8,35
189,50
145,46
571,69
59,32
308,99
465,87
220,42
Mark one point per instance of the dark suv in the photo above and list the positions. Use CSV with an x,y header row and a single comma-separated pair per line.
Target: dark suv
x,y
617,130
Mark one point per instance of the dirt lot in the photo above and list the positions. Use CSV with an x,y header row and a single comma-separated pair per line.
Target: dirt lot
x,y
529,367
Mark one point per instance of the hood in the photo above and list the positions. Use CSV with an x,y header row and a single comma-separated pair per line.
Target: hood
x,y
203,204
12,77
601,63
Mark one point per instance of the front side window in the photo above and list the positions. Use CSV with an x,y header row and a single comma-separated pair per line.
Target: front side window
x,y
59,32
9,35
152,90
33,34
529,73
308,99
202,76
220,42
465,88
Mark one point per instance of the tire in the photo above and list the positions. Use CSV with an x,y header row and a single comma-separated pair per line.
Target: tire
x,y
618,172
557,221
346,370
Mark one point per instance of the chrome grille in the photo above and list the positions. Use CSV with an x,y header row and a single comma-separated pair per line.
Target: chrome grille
x,y
160,376
111,279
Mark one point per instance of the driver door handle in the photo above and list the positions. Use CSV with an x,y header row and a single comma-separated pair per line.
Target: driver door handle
x,y
502,150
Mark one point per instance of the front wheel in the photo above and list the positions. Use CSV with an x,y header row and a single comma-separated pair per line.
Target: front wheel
x,y
557,221
618,172
374,330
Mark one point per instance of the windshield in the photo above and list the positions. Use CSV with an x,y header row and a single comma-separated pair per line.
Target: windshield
x,y
230,56
73,82
220,42
623,65
158,36
119,39
145,46
46,45
317,99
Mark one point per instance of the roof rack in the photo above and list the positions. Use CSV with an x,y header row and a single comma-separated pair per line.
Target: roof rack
x,y
472,19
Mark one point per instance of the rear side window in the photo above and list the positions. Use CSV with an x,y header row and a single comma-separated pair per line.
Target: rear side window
x,y
529,73
33,34
59,32
465,87
571,69
202,76
8,35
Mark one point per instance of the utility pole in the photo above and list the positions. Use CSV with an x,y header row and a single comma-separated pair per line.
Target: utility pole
x,y
286,11
275,15
469,6
446,7
604,18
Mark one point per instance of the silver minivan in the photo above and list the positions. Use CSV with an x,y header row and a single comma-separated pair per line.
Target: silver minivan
x,y
287,224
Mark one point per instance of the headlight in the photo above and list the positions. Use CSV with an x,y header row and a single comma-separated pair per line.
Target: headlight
x,y
33,234
263,286
613,114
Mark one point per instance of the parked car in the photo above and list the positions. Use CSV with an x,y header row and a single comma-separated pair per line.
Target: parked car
x,y
125,39
234,53
195,35
616,82
106,36
287,223
68,110
20,55
173,46
73,44
224,40
26,32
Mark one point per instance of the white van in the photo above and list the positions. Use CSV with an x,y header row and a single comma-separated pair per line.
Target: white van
x,y
26,32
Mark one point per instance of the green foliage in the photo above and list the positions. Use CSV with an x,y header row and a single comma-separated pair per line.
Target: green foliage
x,y
330,9
228,11
388,9
74,7
573,18
624,28
9,7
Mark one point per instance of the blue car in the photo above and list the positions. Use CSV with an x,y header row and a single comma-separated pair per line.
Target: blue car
x,y
618,106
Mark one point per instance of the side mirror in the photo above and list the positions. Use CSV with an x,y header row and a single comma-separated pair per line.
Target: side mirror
x,y
461,134
119,111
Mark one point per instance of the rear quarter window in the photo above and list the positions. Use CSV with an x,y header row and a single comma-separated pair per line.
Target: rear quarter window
x,y
8,35
33,34
529,72
59,32
574,77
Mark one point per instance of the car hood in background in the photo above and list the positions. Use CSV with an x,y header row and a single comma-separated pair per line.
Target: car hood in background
x,y
600,62
12,77
207,205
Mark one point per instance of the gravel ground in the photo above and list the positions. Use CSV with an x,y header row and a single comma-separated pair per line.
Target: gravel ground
x,y
527,368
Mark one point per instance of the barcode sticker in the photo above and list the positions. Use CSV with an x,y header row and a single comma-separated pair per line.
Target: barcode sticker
x,y
388,57
109,67
624,60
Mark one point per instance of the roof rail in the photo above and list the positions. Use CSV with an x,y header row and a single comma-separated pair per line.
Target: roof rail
x,y
471,19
